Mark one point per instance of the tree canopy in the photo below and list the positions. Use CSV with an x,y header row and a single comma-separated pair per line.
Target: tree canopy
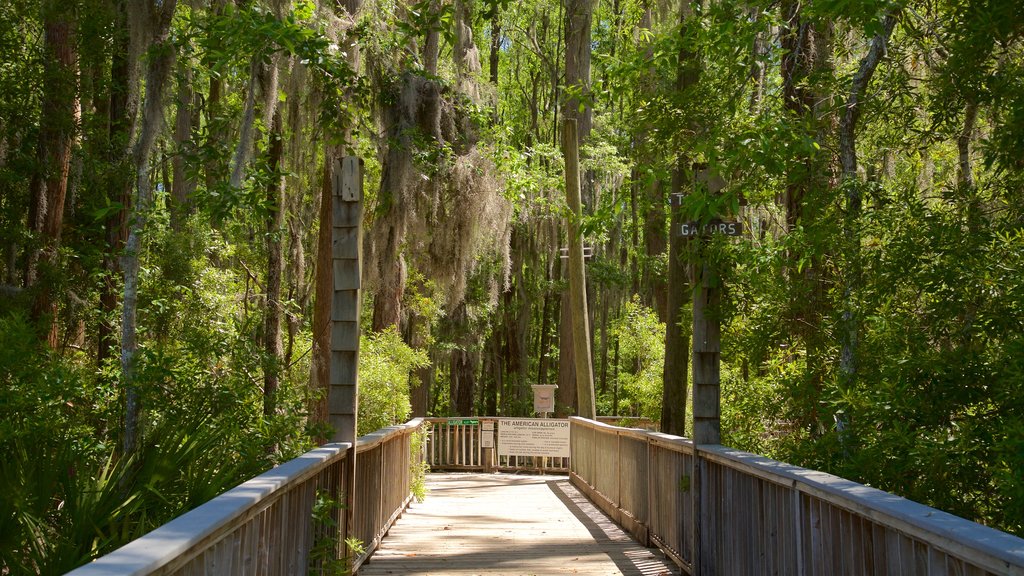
x,y
165,177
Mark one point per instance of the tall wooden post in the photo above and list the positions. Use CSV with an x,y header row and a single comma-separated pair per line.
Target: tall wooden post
x,y
577,276
707,348
347,248
706,361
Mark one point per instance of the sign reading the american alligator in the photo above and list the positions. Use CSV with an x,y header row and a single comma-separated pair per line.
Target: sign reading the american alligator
x,y
533,437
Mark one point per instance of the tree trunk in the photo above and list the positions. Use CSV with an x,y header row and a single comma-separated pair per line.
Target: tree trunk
x,y
182,183
492,371
848,336
432,43
965,177
417,334
583,364
495,44
675,371
124,96
565,395
807,56
553,271
157,18
58,132
462,372
275,267
655,287
578,17
320,361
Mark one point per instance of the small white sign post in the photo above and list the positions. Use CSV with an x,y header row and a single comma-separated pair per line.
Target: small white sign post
x,y
487,434
544,398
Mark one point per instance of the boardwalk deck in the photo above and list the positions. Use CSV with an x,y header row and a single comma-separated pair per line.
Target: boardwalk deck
x,y
486,524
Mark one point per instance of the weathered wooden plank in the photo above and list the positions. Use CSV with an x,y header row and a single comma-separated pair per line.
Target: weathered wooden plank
x,y
347,242
347,274
467,526
344,367
345,336
345,305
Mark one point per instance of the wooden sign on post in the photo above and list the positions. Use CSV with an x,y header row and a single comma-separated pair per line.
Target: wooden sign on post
x,y
715,227
347,242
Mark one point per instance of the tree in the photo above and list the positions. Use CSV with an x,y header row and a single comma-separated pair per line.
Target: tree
x,y
58,133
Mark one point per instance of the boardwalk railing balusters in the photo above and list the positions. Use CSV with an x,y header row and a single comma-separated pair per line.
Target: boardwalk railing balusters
x,y
759,516
756,516
266,526
454,444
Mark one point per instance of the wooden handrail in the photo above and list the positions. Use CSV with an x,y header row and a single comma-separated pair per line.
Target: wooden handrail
x,y
895,535
265,524
169,546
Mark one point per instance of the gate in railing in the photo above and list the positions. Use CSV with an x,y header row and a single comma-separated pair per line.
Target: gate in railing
x,y
757,516
460,444
267,525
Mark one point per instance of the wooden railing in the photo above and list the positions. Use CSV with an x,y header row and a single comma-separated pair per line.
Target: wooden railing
x,y
455,444
758,516
267,525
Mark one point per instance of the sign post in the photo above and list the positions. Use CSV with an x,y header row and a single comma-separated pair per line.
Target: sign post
x,y
342,396
706,352
544,398
487,444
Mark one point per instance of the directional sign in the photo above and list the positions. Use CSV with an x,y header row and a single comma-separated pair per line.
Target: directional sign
x,y
463,421
694,229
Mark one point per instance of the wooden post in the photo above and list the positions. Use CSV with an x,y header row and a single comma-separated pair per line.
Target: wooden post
x,y
347,248
577,276
706,363
706,354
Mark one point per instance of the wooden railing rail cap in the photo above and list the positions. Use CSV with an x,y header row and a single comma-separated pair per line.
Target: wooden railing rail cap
x,y
671,441
638,433
367,441
373,439
593,423
172,541
963,538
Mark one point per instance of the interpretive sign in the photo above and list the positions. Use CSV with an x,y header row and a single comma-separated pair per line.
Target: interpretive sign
x,y
693,229
533,437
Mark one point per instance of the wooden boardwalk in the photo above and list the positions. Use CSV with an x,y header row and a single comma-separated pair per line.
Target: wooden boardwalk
x,y
509,525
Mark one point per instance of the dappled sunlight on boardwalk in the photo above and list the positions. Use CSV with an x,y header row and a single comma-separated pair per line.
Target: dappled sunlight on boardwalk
x,y
514,525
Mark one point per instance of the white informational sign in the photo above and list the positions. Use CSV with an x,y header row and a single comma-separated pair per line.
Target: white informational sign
x,y
533,437
487,438
544,398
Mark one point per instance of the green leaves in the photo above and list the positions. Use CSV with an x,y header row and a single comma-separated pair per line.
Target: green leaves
x,y
385,365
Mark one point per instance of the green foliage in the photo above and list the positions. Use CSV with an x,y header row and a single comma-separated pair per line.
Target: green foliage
x,y
326,555
418,466
641,341
80,500
385,365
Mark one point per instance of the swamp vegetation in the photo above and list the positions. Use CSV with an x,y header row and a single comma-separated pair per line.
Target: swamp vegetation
x,y
165,276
